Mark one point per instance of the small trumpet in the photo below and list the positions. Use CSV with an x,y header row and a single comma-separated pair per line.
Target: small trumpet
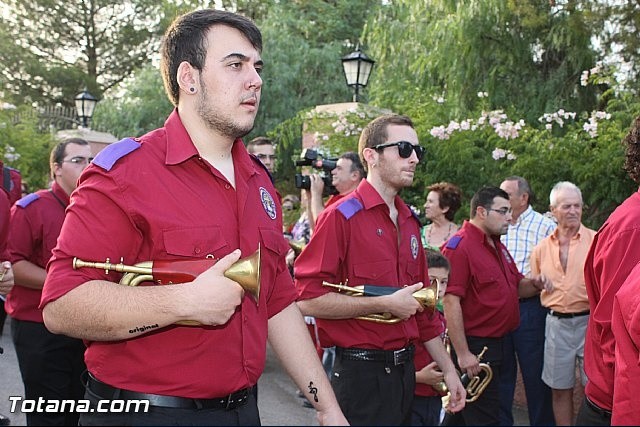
x,y
427,296
474,385
297,245
245,271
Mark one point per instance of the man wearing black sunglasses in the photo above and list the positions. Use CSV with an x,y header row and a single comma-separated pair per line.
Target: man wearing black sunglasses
x,y
372,238
50,364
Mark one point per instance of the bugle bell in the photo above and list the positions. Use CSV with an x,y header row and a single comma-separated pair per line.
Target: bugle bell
x,y
427,296
245,271
474,385
297,245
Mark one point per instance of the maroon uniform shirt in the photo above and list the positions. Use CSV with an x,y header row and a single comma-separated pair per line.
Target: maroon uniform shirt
x,y
5,215
36,220
355,241
154,198
421,359
486,281
625,325
614,253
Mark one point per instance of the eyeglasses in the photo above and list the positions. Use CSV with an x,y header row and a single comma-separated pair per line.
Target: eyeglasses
x,y
79,160
502,211
266,156
405,148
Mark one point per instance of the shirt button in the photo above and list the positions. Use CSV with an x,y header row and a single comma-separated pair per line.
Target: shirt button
x,y
227,186
197,250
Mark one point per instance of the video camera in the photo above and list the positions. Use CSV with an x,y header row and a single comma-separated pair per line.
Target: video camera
x,y
310,157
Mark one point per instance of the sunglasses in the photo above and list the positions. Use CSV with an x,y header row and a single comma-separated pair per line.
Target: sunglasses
x,y
405,148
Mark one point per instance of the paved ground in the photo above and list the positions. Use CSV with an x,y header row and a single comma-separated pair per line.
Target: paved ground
x,y
277,400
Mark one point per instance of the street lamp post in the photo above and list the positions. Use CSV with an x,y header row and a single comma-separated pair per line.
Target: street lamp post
x,y
357,68
85,103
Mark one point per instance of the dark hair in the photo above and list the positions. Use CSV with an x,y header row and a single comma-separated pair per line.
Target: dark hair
x,y
523,187
450,197
255,142
632,151
375,132
60,150
356,164
484,197
435,259
185,40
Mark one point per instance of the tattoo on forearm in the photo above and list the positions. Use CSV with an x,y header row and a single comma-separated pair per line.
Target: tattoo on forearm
x,y
313,390
142,328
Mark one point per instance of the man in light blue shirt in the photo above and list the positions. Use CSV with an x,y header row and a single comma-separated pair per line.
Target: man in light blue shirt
x,y
526,230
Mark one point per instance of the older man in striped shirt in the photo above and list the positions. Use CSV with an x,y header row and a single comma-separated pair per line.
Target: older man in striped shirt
x,y
526,230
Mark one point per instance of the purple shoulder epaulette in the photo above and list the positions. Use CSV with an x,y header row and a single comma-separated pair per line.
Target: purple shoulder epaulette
x,y
27,200
114,152
350,207
453,242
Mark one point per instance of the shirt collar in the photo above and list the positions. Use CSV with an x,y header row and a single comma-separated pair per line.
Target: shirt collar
x,y
371,198
577,236
180,147
179,144
527,212
475,233
59,192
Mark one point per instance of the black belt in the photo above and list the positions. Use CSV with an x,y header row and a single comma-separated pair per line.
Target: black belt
x,y
568,315
597,409
105,391
393,357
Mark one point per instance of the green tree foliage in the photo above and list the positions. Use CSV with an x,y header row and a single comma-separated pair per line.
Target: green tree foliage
x,y
616,24
527,55
143,106
52,49
303,44
24,147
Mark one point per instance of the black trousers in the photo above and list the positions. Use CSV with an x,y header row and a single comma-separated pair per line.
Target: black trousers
x,y
51,367
245,415
485,411
374,393
588,416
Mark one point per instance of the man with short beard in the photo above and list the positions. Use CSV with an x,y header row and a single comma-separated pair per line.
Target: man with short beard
x,y
188,191
371,237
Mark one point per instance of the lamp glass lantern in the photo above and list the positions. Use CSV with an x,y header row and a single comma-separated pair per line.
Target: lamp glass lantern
x,y
357,69
85,104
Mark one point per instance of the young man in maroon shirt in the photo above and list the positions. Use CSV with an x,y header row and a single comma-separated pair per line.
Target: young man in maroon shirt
x,y
50,364
372,238
187,191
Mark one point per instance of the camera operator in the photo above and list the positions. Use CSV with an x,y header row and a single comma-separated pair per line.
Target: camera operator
x,y
345,177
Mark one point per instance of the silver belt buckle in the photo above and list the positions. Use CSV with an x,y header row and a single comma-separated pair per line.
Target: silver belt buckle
x,y
396,356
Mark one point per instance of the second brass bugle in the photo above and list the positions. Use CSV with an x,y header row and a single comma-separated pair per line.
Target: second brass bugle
x,y
427,296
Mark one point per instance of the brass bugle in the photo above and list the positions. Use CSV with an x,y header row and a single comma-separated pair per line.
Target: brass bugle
x,y
474,385
297,245
245,271
427,297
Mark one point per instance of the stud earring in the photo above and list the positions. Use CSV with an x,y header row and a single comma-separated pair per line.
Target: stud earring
x,y
192,89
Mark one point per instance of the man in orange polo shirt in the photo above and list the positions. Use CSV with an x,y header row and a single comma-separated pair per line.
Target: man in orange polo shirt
x,y
560,257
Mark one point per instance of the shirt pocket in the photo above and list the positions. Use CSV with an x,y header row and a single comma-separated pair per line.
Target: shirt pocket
x,y
273,241
487,286
381,273
195,242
